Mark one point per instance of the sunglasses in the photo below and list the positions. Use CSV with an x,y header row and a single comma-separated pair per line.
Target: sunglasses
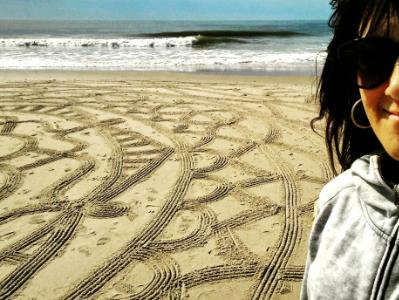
x,y
368,62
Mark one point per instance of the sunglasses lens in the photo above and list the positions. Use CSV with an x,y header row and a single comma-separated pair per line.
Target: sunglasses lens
x,y
369,61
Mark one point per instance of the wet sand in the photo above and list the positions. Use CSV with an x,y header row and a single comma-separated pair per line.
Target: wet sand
x,y
124,185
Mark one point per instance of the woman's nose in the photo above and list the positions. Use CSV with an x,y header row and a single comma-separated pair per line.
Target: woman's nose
x,y
393,88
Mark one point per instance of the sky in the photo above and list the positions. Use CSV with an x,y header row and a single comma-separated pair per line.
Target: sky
x,y
164,9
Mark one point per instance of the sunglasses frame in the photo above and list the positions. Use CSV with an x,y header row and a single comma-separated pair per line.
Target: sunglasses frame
x,y
348,45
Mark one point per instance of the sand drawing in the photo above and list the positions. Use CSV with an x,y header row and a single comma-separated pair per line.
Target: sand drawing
x,y
148,189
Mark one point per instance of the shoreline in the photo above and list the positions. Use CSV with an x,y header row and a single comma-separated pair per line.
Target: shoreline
x,y
9,75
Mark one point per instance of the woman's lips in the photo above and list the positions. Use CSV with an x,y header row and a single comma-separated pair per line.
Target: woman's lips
x,y
392,114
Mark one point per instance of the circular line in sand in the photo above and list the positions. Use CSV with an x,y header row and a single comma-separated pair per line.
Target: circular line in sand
x,y
10,145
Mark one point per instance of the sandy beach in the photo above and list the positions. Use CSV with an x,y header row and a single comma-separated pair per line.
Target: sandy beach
x,y
156,185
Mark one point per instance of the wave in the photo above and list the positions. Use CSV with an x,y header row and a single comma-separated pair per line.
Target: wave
x,y
194,39
101,43
215,59
225,34
205,41
189,41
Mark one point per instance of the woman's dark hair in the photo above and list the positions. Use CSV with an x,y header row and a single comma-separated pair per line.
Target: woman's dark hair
x,y
345,142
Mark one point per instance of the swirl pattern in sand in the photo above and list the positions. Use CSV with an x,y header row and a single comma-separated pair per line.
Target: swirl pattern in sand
x,y
147,189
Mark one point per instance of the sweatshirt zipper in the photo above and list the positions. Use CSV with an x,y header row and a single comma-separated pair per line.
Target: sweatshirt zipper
x,y
384,273
396,191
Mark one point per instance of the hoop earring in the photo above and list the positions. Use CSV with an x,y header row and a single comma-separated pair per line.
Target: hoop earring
x,y
353,116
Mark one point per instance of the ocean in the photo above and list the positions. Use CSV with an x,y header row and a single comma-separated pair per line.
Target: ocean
x,y
296,47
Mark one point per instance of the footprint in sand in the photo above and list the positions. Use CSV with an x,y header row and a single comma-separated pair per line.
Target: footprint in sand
x,y
37,220
85,250
103,241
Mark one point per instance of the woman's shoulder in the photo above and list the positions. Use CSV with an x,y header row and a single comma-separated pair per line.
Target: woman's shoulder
x,y
343,185
332,190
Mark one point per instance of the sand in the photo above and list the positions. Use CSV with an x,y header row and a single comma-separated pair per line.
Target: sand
x,y
124,185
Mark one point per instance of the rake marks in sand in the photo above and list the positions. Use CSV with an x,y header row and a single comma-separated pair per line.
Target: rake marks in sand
x,y
220,146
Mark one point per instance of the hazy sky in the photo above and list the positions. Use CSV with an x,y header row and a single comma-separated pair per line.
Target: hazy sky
x,y
164,9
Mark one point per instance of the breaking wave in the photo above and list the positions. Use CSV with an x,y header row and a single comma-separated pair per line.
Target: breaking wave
x,y
162,42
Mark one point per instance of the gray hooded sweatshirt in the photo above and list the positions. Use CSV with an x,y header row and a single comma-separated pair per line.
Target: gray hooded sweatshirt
x,y
354,243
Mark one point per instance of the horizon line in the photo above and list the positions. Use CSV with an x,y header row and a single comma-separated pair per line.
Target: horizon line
x,y
167,20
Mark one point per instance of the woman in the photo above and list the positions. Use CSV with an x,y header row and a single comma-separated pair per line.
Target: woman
x,y
354,243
